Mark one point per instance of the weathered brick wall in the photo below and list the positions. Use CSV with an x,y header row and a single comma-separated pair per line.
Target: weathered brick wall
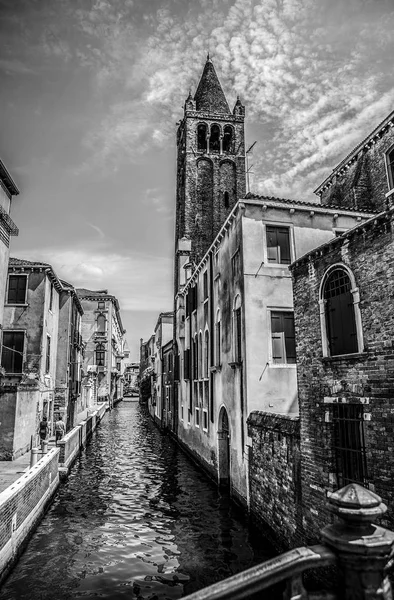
x,y
274,475
21,498
363,184
366,378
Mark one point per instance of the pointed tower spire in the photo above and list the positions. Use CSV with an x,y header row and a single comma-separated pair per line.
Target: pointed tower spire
x,y
209,95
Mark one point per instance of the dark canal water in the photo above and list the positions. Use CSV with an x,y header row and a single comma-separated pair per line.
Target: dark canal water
x,y
136,519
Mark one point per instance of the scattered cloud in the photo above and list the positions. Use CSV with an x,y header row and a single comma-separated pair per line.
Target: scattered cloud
x,y
129,277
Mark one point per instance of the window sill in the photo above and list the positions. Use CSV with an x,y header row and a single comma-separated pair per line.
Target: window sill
x,y
281,365
16,304
339,357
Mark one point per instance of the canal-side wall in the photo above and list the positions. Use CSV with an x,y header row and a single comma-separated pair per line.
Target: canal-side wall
x,y
275,476
76,439
22,505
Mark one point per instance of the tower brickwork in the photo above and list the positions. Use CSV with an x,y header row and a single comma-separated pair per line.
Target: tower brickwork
x,y
210,164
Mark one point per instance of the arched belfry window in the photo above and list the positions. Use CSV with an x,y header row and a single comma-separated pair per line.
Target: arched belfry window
x,y
340,313
214,140
228,139
202,137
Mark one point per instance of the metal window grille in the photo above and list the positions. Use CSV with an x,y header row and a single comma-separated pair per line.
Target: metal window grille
x,y
349,444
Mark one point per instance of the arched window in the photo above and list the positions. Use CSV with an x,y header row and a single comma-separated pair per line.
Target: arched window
x,y
218,341
228,139
100,355
206,354
226,200
390,167
237,330
340,314
101,320
214,140
202,137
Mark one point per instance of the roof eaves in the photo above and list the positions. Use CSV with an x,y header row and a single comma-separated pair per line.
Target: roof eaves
x,y
7,180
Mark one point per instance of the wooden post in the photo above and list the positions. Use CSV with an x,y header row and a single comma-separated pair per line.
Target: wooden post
x,y
363,548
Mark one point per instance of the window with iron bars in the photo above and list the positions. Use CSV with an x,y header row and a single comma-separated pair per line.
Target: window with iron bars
x,y
349,444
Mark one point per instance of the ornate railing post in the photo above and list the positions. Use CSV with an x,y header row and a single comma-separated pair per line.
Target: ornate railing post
x,y
363,548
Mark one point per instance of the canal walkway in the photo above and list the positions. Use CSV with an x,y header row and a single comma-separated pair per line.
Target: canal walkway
x,y
135,519
11,470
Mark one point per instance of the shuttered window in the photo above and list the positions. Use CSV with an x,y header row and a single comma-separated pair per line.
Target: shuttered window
x,y
186,364
16,289
278,245
237,336
340,316
283,337
12,351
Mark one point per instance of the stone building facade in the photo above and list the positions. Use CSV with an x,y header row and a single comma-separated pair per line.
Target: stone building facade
x,y
104,348
365,178
343,295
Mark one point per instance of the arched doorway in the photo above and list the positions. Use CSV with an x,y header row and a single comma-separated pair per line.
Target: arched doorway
x,y
224,448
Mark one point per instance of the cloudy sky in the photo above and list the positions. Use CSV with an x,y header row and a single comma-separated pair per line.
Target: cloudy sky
x,y
91,92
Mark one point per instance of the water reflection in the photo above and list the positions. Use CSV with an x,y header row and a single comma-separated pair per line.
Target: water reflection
x,y
135,520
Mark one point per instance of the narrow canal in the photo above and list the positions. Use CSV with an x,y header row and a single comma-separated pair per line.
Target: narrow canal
x,y
137,520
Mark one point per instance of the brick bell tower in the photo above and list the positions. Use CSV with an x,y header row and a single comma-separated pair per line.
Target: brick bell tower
x,y
210,166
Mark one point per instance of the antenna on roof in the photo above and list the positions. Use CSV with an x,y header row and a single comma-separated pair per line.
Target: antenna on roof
x,y
248,167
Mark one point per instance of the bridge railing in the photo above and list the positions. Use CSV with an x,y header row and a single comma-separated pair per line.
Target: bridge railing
x,y
360,549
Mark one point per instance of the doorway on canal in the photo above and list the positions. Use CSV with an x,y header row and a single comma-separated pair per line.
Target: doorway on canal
x,y
224,449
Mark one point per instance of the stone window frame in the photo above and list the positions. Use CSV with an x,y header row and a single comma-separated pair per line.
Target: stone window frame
x,y
197,416
205,419
206,354
354,290
389,169
281,224
271,363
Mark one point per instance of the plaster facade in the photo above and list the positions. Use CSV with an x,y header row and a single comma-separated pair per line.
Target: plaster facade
x,y
8,228
28,383
224,332
69,356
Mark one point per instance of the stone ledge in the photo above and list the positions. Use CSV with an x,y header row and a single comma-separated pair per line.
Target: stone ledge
x,y
286,424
